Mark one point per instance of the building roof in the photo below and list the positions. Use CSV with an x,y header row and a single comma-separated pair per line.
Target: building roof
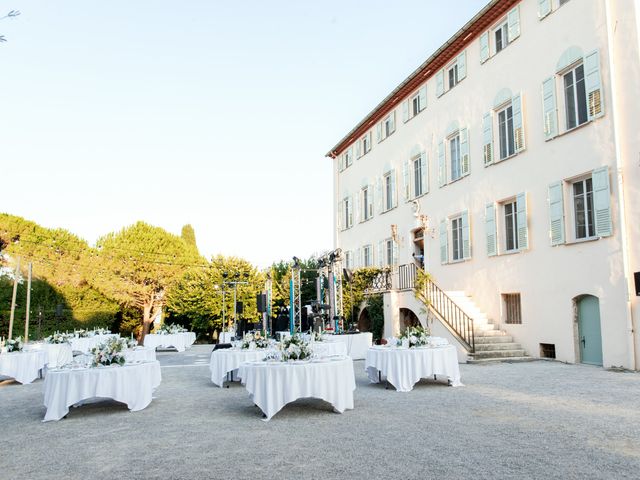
x,y
463,37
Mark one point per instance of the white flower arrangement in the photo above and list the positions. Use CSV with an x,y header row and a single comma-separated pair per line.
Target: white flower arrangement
x,y
14,344
102,331
171,328
254,340
295,348
109,352
58,338
82,333
415,336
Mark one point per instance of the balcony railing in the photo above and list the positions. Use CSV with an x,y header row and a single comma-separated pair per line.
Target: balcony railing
x,y
407,276
380,283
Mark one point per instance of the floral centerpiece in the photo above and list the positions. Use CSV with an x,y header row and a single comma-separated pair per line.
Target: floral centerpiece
x,y
102,331
254,340
58,338
82,333
109,352
131,342
295,348
171,328
415,336
14,344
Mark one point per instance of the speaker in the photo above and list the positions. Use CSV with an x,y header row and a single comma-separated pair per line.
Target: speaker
x,y
261,302
636,278
305,325
239,308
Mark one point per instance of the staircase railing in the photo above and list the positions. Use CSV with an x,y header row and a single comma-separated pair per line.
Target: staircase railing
x,y
458,322
407,276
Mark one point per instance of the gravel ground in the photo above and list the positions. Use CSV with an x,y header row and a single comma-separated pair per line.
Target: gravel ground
x,y
526,420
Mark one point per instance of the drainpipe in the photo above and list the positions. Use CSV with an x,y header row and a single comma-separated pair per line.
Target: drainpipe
x,y
616,120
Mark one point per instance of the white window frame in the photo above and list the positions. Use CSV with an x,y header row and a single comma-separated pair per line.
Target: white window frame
x,y
366,144
451,68
367,256
346,213
416,176
589,216
450,162
509,136
455,233
503,28
389,191
505,224
366,203
577,98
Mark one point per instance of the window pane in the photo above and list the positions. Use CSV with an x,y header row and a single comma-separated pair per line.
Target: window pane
x,y
502,133
499,40
389,197
454,147
579,209
581,95
417,177
570,101
510,140
589,213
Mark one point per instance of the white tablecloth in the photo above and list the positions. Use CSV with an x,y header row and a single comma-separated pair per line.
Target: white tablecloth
x,y
404,367
180,341
85,344
58,354
226,337
229,359
325,349
274,384
23,367
131,384
357,344
140,354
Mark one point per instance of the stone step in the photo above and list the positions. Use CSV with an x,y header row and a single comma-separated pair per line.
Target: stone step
x,y
490,333
491,339
487,327
485,347
481,361
498,354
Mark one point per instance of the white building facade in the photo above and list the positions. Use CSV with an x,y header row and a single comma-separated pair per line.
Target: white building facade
x,y
508,165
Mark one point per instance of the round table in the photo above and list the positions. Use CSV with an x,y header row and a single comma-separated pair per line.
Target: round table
x,y
228,360
357,343
23,367
130,384
179,341
85,344
404,367
140,354
272,385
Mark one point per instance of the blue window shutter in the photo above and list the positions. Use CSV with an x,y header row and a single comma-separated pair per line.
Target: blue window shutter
x,y
425,172
394,260
381,261
379,196
549,109
442,173
370,200
444,246
556,213
513,23
394,189
490,226
544,8
602,202
521,216
440,83
593,84
462,65
422,94
405,111
518,123
358,149
379,132
487,138
392,122
466,235
484,47
464,151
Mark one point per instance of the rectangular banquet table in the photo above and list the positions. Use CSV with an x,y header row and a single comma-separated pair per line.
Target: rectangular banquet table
x,y
404,367
131,384
180,341
23,367
357,343
272,385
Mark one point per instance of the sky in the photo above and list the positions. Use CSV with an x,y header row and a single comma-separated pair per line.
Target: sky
x,y
213,113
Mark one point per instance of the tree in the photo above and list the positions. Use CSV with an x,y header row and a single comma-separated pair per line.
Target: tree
x,y
189,235
139,264
198,295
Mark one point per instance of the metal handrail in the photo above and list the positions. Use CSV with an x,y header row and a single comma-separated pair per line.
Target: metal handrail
x,y
454,317
407,276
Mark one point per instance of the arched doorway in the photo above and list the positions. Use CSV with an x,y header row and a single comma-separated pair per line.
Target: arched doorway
x,y
408,319
364,322
589,329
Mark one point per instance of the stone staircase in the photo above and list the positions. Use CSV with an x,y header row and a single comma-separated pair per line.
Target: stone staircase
x,y
492,344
